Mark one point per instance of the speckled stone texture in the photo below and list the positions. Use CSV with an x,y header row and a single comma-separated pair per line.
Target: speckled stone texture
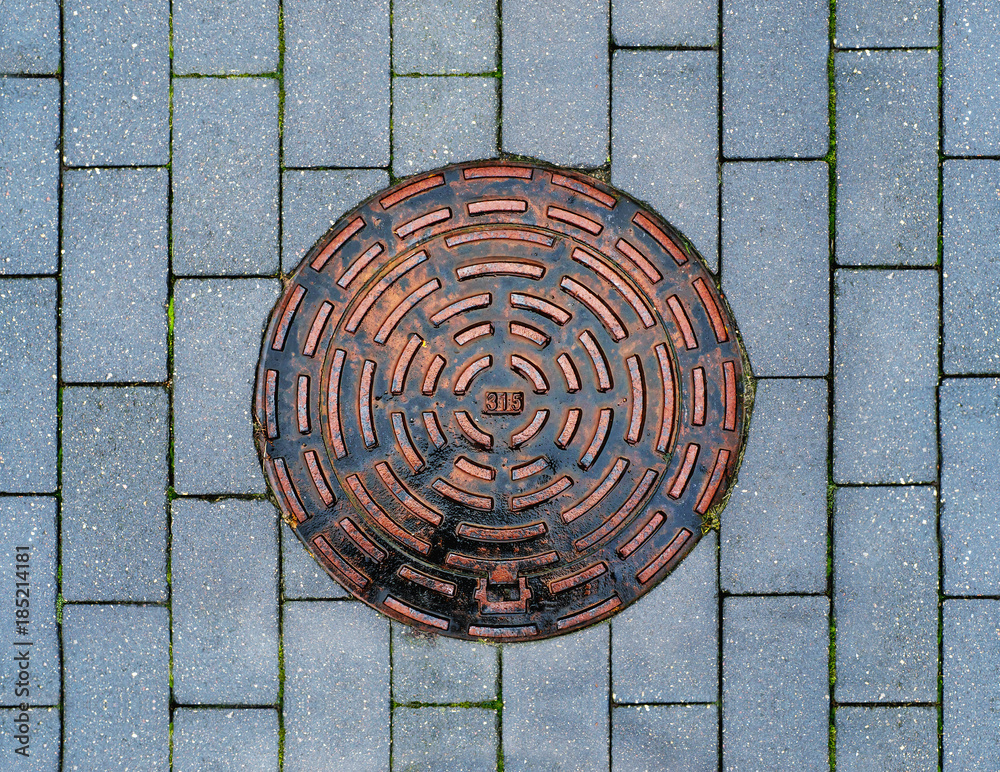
x,y
435,669
225,36
665,738
301,576
29,37
43,739
971,77
444,36
455,739
887,739
206,740
664,22
886,23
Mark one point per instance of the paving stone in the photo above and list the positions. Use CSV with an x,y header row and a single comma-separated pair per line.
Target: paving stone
x,y
555,80
225,36
336,695
885,374
29,521
114,511
39,752
336,83
886,23
971,659
117,702
665,146
666,645
775,246
664,22
887,739
114,291
885,582
217,335
775,683
774,529
441,120
225,176
887,157
971,266
29,174
208,740
665,738
28,389
444,36
29,37
970,485
455,739
775,89
432,668
224,601
313,200
116,82
555,703
301,575
971,77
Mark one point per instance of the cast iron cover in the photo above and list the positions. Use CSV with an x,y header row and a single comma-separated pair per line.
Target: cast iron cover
x,y
499,400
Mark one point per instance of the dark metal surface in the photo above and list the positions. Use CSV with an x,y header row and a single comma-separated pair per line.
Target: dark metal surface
x,y
497,401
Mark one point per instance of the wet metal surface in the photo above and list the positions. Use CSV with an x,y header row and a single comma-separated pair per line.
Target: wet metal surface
x,y
497,401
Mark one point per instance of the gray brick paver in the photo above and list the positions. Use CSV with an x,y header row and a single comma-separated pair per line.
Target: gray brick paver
x,y
28,388
444,36
114,289
42,739
29,175
116,82
886,23
885,375
664,22
117,702
432,668
971,77
225,176
29,37
336,696
555,714
665,738
453,739
301,576
225,36
555,84
774,529
885,584
775,100
336,83
887,157
114,520
664,147
227,740
224,598
887,739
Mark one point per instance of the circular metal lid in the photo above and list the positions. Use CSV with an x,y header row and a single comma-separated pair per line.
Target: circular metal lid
x,y
500,400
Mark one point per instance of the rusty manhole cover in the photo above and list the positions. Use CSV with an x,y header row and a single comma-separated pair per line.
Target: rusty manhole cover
x,y
498,400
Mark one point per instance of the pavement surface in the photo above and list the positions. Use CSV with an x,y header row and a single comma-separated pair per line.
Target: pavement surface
x,y
163,164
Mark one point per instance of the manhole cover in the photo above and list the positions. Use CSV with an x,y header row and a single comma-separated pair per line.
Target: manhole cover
x,y
498,400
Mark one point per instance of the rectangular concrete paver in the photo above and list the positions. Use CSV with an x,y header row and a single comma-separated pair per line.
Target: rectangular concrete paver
x,y
775,249
665,738
114,291
114,518
886,23
555,85
337,112
30,639
887,739
29,37
774,530
442,120
885,584
774,83
336,698
970,485
885,375
117,702
887,155
224,560
217,332
225,36
38,749
301,576
224,739
28,389
664,146
971,267
775,683
453,739
664,22
116,97
225,176
435,669
665,648
971,77
555,711
444,36
29,174
971,685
